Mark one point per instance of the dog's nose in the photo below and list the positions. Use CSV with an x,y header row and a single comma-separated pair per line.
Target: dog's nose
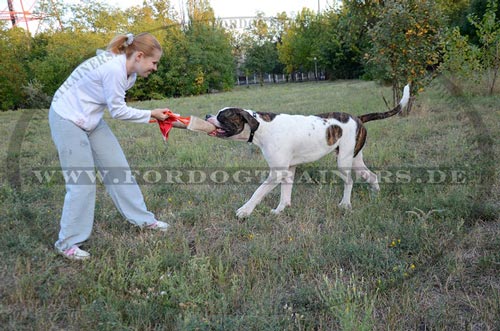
x,y
207,116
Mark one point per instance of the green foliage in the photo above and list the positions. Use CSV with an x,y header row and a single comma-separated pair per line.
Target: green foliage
x,y
351,26
35,97
58,54
405,44
262,59
210,57
453,10
14,46
298,48
391,41
95,16
488,32
476,8
260,48
461,60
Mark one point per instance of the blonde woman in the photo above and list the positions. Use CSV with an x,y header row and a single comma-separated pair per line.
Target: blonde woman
x,y
85,142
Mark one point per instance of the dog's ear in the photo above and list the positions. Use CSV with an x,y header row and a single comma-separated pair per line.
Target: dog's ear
x,y
254,124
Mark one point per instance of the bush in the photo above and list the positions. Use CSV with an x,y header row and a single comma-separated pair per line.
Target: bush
x,y
34,96
460,58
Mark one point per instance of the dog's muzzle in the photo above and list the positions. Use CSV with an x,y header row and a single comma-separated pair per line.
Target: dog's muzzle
x,y
218,132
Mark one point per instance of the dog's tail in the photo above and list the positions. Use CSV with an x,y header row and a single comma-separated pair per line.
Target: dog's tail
x,y
380,116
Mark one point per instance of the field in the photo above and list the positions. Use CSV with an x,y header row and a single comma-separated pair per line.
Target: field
x,y
423,254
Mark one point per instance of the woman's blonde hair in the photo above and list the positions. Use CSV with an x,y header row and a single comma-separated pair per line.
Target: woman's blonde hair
x,y
128,43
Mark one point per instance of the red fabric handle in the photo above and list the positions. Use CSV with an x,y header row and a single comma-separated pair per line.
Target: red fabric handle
x,y
167,124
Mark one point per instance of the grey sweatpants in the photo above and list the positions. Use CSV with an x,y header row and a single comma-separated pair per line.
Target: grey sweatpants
x,y
81,153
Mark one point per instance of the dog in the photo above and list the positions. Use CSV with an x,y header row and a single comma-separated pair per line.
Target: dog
x,y
287,141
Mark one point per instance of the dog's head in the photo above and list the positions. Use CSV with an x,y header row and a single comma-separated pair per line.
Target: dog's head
x,y
233,123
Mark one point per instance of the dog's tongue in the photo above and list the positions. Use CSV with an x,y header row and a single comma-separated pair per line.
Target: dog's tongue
x,y
216,132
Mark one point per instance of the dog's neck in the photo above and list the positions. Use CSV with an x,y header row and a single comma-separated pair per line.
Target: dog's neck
x,y
252,132
244,135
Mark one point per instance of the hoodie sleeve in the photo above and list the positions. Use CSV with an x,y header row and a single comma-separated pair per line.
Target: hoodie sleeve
x,y
115,84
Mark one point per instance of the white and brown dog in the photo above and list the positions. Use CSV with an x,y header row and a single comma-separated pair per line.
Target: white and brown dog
x,y
289,140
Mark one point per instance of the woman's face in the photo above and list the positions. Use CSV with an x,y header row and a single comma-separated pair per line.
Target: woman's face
x,y
145,65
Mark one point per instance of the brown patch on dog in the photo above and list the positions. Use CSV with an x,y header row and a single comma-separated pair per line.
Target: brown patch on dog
x,y
341,117
267,117
333,134
360,137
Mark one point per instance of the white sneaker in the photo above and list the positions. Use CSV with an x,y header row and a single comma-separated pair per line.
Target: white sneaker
x,y
75,253
158,225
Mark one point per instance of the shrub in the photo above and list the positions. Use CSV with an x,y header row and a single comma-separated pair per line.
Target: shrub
x,y
35,97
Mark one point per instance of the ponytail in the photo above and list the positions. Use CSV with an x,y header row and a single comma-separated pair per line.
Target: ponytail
x,y
128,44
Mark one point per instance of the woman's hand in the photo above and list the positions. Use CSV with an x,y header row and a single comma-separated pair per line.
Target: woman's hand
x,y
159,114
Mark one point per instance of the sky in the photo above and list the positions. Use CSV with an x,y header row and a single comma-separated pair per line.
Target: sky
x,y
222,8
238,8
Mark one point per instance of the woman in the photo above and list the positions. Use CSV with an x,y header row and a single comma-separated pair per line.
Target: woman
x,y
85,142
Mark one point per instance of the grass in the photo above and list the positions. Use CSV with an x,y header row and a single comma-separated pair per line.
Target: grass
x,y
421,255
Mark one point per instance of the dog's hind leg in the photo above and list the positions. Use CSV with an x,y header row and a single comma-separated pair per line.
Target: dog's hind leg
x,y
286,191
275,177
362,171
344,162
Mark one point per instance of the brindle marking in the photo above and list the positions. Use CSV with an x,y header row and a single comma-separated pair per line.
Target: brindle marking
x,y
360,137
333,134
233,123
267,117
380,116
341,117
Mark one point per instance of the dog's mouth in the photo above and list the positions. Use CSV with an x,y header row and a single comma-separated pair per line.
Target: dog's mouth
x,y
218,132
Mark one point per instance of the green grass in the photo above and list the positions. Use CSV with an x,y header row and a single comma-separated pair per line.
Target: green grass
x,y
417,256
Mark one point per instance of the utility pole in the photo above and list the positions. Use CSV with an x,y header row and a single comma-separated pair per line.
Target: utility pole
x,y
11,12
47,9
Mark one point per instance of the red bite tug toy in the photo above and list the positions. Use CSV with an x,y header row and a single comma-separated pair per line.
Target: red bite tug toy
x,y
191,123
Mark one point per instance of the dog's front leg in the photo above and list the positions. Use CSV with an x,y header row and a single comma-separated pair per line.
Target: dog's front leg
x,y
286,191
274,178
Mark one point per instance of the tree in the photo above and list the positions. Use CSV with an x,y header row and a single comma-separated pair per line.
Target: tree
x,y
350,38
261,58
61,54
259,48
476,8
14,49
209,58
97,17
453,10
158,18
488,31
298,46
460,58
405,44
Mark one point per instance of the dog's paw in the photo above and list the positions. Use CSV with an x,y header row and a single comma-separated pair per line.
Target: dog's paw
x,y
243,212
345,205
276,211
375,188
